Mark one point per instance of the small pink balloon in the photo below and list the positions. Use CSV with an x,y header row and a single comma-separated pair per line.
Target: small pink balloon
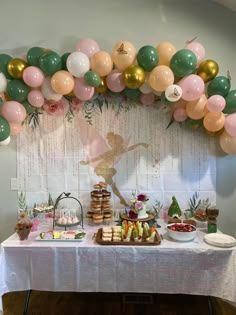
x,y
33,76
15,128
36,98
180,115
216,103
13,112
198,50
147,99
87,46
82,91
230,125
192,87
115,81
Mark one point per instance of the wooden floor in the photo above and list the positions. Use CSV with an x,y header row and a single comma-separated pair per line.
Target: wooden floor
x,y
52,303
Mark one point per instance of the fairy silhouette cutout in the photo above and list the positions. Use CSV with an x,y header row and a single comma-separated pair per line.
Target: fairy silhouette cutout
x,y
103,154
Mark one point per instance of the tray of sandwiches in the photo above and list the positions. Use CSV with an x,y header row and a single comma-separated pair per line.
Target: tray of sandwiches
x,y
129,233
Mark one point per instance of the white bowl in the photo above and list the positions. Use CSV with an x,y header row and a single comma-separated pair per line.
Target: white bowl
x,y
181,236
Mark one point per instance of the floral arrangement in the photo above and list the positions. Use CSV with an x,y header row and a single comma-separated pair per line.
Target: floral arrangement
x,y
136,204
88,78
24,222
23,226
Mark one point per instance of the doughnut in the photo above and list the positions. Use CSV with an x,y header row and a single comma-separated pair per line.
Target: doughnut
x,y
97,216
103,184
97,186
97,221
89,214
106,194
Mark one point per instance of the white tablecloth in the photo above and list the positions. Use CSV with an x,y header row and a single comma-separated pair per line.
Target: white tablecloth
x,y
172,267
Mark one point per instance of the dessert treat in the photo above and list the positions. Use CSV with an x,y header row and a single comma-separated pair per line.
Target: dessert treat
x,y
100,206
107,234
62,235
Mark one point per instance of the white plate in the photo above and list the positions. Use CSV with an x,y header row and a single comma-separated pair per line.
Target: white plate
x,y
38,238
220,240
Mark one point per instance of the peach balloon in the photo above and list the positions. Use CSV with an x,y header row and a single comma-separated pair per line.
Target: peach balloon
x,y
160,78
101,63
62,82
181,104
197,109
13,112
123,54
228,143
214,121
15,128
166,51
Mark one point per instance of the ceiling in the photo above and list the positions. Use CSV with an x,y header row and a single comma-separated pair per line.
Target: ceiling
x,y
231,4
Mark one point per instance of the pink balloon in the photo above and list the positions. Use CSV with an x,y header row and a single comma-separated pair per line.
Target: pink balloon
x,y
198,50
82,91
15,128
87,46
147,99
36,98
13,112
216,103
180,115
230,125
192,87
115,81
33,76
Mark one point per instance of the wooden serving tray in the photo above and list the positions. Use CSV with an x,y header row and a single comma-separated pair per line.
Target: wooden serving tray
x,y
100,241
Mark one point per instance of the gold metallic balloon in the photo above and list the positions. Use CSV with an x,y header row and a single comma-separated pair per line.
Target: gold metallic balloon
x,y
208,70
7,97
15,67
102,87
134,76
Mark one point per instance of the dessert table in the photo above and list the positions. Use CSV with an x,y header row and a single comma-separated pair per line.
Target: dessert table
x,y
84,266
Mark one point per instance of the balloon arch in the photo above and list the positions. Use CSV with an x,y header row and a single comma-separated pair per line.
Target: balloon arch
x,y
88,77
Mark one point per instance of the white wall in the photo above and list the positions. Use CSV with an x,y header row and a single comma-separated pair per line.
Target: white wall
x,y
60,24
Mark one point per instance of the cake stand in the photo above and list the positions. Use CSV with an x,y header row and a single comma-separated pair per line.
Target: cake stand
x,y
80,214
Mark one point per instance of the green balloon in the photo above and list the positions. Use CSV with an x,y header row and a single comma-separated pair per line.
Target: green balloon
x,y
230,106
165,101
92,78
64,60
29,108
4,59
17,90
194,123
183,62
4,129
33,55
133,94
50,63
219,86
147,57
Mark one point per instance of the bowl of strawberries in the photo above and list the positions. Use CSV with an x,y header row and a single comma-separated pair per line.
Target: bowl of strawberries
x,y
181,231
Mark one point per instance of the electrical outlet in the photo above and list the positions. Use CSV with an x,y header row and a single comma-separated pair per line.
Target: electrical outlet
x,y
14,184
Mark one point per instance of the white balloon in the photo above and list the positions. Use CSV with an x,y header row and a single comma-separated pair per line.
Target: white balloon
x,y
78,64
3,83
145,88
173,93
48,92
6,141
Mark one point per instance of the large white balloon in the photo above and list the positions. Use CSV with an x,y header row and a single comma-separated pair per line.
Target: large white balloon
x,y
6,141
3,83
78,64
48,92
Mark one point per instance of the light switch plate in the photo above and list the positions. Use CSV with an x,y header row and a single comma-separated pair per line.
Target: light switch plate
x,y
14,184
